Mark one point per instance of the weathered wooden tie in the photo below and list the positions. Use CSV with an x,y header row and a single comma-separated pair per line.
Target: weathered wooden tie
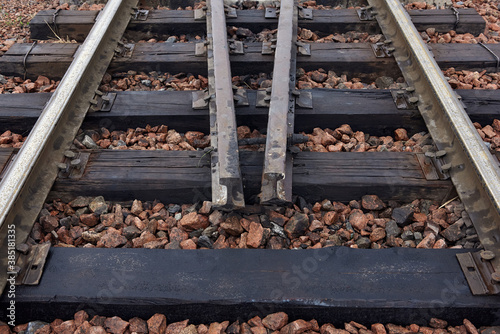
x,y
185,176
163,23
174,108
353,59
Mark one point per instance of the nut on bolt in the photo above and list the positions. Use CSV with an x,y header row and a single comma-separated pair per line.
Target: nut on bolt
x,y
69,154
76,163
61,166
495,277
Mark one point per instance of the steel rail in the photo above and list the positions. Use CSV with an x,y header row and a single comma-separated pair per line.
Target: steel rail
x,y
227,185
29,178
472,168
277,176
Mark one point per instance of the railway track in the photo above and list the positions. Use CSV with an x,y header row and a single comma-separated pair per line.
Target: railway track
x,y
399,284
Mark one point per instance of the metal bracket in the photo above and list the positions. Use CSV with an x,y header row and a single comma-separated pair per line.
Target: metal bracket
x,y
479,272
263,98
305,13
200,14
303,49
240,97
140,14
268,47
404,99
124,50
236,47
102,102
30,263
303,99
433,166
74,165
382,50
200,99
200,49
271,13
365,13
230,12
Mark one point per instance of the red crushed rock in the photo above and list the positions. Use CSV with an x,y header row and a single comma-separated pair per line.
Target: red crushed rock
x,y
344,139
157,324
319,79
472,79
490,135
365,223
134,81
17,85
341,139
329,79
148,138
488,9
9,139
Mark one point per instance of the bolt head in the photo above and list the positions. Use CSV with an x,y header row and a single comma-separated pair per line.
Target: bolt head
x,y
487,255
69,154
61,165
75,162
495,277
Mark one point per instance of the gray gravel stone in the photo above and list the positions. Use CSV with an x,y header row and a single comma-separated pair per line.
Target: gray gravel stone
x,y
205,241
196,233
453,232
80,202
174,208
278,230
407,235
131,232
392,229
384,82
211,232
98,205
33,326
402,215
89,143
363,242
